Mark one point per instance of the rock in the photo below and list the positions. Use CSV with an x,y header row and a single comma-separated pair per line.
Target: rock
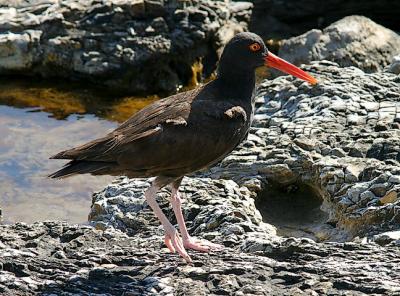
x,y
215,205
350,165
394,67
387,237
284,19
17,51
112,263
131,46
220,204
351,41
389,197
309,149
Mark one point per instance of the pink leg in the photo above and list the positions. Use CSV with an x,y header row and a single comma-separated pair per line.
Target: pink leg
x,y
188,241
174,240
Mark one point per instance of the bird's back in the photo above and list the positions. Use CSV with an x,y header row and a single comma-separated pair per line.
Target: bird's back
x,y
171,137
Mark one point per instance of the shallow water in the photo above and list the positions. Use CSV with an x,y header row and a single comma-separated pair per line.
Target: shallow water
x,y
37,121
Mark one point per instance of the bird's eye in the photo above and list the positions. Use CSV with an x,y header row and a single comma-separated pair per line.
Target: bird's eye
x,y
254,46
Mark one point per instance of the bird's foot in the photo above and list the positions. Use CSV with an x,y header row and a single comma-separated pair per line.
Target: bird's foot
x,y
201,245
175,244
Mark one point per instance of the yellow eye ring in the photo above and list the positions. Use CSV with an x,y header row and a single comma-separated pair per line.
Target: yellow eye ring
x,y
254,46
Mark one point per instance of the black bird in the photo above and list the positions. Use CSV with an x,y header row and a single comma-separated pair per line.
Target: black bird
x,y
183,133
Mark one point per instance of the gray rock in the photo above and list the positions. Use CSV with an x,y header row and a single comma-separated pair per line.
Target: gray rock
x,y
387,237
346,162
343,193
284,19
141,46
110,263
394,67
352,41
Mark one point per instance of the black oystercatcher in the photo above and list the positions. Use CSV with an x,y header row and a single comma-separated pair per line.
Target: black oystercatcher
x,y
183,133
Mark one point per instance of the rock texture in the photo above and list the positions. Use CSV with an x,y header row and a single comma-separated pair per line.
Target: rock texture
x,y
394,67
53,258
352,41
340,138
142,46
283,19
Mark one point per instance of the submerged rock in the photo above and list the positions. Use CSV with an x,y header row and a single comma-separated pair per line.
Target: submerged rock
x,y
139,46
351,41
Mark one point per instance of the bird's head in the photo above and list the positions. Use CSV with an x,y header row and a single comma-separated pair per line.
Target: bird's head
x,y
247,51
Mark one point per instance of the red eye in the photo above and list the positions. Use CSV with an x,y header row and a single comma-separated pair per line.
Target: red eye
x,y
255,46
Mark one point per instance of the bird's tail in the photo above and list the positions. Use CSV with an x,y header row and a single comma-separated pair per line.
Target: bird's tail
x,y
83,167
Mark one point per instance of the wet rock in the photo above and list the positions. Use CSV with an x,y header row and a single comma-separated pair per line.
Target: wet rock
x,y
351,41
136,46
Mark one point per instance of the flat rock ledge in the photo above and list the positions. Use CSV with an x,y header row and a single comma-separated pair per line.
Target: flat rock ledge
x,y
139,46
339,138
54,258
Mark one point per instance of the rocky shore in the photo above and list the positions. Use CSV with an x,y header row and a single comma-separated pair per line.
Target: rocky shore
x,y
308,205
141,46
340,138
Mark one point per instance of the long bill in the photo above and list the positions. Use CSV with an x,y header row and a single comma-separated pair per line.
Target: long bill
x,y
276,62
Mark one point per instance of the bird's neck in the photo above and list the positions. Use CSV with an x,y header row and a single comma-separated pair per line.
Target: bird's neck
x,y
237,84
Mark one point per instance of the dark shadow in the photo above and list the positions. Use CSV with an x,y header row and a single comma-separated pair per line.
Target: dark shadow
x,y
295,210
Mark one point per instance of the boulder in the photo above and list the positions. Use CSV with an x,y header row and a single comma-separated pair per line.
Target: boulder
x,y
351,41
394,67
138,46
283,19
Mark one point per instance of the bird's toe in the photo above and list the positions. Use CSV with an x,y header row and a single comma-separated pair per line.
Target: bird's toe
x,y
175,244
201,245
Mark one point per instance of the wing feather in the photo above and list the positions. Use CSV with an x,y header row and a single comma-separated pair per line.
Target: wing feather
x,y
145,123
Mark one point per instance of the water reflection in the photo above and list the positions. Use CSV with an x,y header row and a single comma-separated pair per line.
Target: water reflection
x,y
30,133
64,99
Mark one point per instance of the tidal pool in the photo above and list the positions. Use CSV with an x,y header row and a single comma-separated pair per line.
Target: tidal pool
x,y
37,121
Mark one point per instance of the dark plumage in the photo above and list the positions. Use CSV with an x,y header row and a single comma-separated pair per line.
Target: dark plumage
x,y
178,135
182,133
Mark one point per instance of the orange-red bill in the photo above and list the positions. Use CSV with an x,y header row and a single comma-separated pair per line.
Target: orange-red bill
x,y
276,62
